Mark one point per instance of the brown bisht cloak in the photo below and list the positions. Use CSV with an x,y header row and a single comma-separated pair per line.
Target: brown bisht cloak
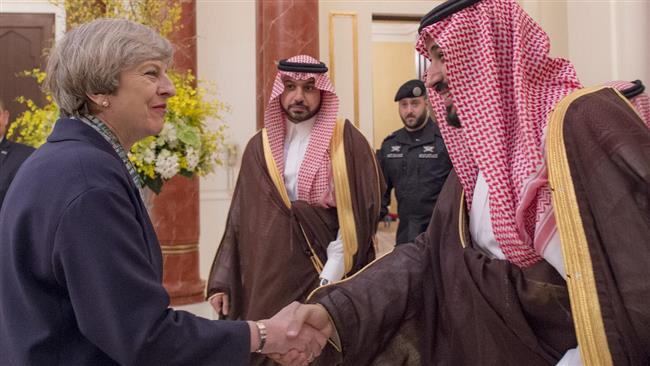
x,y
599,168
440,301
270,254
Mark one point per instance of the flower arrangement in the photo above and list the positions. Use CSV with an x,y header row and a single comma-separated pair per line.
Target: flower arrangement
x,y
185,146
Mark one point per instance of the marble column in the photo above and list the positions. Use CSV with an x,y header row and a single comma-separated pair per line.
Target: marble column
x,y
175,212
284,28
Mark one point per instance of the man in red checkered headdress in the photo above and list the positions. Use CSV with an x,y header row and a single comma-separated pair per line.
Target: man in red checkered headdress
x,y
306,205
538,248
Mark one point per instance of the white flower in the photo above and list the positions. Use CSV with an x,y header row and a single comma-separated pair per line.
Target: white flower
x,y
148,155
168,133
160,140
192,157
167,164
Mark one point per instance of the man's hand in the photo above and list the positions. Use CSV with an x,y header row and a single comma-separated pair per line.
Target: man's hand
x,y
305,319
220,303
281,339
314,316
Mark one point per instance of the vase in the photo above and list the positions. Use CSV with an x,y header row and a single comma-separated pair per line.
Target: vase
x,y
175,216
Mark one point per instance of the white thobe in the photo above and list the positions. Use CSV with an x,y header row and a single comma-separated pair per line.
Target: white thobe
x,y
295,147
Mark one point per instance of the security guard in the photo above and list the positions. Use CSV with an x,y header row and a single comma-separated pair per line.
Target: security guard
x,y
415,162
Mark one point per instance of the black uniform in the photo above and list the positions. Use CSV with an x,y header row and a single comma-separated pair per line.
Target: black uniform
x,y
416,164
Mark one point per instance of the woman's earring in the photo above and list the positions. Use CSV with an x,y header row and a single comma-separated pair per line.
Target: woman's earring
x,y
105,104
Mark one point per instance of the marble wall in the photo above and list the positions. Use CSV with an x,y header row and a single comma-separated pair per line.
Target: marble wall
x,y
284,29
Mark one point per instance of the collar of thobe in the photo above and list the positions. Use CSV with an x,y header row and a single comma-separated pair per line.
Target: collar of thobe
x,y
299,130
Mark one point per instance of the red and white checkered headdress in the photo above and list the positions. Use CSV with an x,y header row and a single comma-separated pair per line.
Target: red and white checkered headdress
x,y
504,86
315,173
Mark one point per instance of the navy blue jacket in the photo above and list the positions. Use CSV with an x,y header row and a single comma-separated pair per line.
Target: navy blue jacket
x,y
12,155
81,268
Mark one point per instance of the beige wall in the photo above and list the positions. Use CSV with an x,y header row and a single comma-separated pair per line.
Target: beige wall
x,y
343,38
604,39
609,40
226,57
393,64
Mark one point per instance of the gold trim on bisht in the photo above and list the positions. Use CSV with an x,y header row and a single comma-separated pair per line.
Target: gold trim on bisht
x,y
335,339
343,195
276,176
461,220
278,181
585,304
377,179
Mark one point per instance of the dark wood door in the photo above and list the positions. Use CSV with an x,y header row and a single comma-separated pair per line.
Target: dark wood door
x,y
24,39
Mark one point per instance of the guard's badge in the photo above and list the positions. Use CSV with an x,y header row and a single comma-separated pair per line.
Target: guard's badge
x,y
417,91
428,152
395,152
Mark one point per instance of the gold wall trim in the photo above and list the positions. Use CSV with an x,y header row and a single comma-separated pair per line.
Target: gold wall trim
x,y
179,249
585,304
347,223
355,55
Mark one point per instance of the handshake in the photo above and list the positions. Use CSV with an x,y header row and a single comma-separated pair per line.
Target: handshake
x,y
296,335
